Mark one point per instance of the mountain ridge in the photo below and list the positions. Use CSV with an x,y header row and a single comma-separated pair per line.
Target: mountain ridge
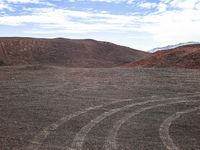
x,y
172,46
187,56
86,53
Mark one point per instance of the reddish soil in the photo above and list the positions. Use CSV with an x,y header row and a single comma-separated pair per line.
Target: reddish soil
x,y
35,102
181,57
65,52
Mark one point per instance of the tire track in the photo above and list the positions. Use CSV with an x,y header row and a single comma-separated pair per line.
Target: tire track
x,y
80,136
111,143
39,138
37,141
164,128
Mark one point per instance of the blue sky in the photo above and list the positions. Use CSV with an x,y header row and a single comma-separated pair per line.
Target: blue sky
x,y
140,24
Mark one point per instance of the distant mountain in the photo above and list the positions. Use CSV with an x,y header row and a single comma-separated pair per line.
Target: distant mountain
x,y
187,56
172,46
65,52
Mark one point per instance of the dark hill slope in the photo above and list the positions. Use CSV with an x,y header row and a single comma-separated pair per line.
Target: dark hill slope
x,y
65,52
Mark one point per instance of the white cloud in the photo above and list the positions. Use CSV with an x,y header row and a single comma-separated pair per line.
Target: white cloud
x,y
184,4
21,2
3,5
24,1
107,1
73,21
161,6
147,5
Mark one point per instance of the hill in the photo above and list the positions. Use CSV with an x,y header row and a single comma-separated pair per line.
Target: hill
x,y
65,52
182,57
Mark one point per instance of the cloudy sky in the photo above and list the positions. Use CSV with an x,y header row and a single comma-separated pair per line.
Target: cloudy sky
x,y
140,24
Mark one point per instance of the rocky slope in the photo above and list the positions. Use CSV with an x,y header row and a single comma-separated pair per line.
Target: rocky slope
x,y
182,57
65,52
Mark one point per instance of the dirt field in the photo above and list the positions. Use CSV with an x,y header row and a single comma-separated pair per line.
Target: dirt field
x,y
52,108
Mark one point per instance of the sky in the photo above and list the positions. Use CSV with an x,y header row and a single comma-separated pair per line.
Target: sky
x,y
140,24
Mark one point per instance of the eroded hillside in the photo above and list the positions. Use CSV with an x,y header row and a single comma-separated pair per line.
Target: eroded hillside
x,y
65,52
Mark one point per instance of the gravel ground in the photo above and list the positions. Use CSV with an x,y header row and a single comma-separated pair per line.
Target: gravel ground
x,y
55,108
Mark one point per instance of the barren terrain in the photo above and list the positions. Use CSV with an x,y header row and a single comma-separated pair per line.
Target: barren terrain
x,y
55,108
187,56
85,53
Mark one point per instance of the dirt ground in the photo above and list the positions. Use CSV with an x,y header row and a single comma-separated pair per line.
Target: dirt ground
x,y
54,108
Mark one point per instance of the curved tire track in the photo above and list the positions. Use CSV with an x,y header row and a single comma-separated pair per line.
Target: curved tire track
x,y
80,136
39,138
37,141
111,143
164,128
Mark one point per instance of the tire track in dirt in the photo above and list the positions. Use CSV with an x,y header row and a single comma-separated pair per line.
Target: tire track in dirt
x,y
164,128
80,136
37,141
111,143
39,138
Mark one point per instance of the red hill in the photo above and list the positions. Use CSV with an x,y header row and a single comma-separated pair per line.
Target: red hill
x,y
182,57
65,52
